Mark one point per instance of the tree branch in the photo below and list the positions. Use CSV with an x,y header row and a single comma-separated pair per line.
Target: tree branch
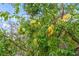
x,y
72,36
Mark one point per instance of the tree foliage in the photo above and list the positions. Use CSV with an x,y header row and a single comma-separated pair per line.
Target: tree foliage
x,y
51,30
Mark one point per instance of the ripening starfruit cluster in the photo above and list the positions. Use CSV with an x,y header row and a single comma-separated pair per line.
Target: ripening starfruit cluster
x,y
50,30
66,17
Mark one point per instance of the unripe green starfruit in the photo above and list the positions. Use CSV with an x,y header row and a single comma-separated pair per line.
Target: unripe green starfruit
x,y
21,30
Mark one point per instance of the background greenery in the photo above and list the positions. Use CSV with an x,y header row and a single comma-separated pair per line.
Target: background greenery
x,y
51,30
